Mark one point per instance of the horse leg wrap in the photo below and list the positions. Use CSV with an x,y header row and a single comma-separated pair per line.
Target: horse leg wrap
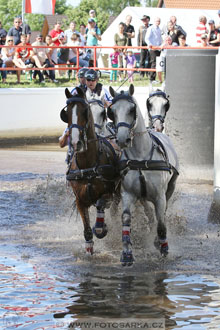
x,y
89,247
100,229
126,234
127,258
164,247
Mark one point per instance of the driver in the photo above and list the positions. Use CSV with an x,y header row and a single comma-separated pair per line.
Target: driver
x,y
96,89
82,81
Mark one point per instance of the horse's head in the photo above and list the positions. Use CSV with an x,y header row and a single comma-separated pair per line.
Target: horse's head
x,y
99,115
157,107
123,113
79,118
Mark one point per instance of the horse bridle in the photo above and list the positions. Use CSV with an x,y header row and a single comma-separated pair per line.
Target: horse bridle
x,y
128,98
82,129
156,117
101,105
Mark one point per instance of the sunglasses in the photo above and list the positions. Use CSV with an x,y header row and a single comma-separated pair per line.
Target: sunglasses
x,y
10,40
90,79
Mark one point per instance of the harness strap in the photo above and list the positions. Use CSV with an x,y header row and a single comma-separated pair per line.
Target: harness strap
x,y
103,172
108,144
146,165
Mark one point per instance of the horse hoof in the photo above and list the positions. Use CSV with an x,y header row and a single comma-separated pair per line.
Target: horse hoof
x,y
89,247
127,258
100,232
164,249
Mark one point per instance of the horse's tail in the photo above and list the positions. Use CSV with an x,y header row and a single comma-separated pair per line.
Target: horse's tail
x,y
143,185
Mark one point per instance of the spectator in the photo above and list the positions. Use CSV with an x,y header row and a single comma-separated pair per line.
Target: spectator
x,y
51,52
25,28
72,29
182,41
25,57
16,31
177,27
8,59
93,33
73,52
3,34
92,15
62,54
213,34
129,29
51,59
167,43
114,64
218,26
201,29
173,33
57,34
204,40
82,34
141,42
131,63
41,53
95,89
153,39
121,39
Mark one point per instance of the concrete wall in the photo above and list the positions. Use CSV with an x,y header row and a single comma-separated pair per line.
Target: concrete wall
x,y
190,83
31,111
36,111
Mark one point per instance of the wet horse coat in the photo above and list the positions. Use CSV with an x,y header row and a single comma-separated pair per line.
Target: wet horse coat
x,y
149,169
92,170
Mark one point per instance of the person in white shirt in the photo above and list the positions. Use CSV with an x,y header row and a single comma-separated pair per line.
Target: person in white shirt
x,y
153,39
72,29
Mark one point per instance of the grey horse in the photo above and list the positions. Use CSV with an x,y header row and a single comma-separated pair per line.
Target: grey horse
x,y
148,166
157,106
99,116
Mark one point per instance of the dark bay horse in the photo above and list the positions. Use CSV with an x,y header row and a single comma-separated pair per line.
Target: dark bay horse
x,y
149,168
93,171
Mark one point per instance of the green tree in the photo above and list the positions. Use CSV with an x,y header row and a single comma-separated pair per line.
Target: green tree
x,y
81,13
151,3
61,7
11,8
114,7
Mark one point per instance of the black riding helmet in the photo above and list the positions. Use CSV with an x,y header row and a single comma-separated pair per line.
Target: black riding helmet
x,y
82,72
91,74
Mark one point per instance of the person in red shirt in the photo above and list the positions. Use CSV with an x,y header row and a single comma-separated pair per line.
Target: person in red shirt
x,y
201,29
57,33
26,58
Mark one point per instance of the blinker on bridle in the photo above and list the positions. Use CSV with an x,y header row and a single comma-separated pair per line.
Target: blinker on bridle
x,y
82,129
155,117
129,99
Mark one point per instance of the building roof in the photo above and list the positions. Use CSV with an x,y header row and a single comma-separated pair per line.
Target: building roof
x,y
52,19
190,4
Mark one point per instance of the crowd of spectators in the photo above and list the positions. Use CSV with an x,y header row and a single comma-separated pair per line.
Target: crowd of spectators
x,y
30,56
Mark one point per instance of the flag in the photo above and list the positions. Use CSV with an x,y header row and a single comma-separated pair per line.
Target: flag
x,y
46,7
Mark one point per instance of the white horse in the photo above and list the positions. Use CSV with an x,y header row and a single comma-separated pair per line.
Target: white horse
x,y
157,106
99,116
149,167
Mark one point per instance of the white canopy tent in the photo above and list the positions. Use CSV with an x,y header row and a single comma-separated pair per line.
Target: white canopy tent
x,y
187,18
